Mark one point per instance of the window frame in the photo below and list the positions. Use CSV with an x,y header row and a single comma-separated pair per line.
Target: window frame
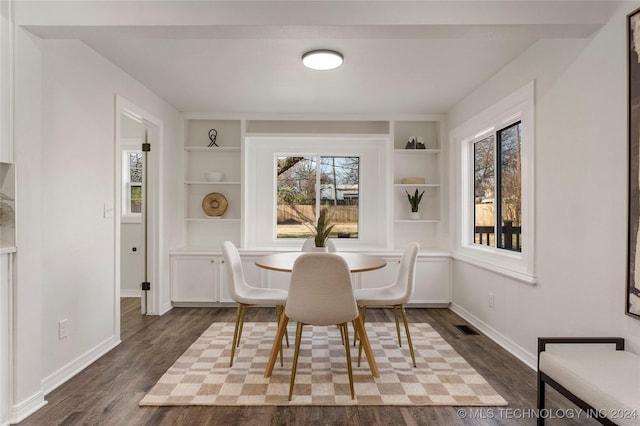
x,y
259,224
519,106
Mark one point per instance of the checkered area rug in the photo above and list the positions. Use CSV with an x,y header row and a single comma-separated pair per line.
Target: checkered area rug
x,y
202,376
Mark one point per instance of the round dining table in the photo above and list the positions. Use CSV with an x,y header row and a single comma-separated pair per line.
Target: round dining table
x,y
357,262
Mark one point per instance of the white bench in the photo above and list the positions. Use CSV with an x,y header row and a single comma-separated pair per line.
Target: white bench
x,y
604,383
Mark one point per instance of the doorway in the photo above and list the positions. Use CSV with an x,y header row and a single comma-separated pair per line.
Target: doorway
x,y
137,208
132,220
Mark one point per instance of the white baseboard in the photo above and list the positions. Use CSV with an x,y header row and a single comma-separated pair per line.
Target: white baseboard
x,y
166,308
531,360
130,293
54,380
27,407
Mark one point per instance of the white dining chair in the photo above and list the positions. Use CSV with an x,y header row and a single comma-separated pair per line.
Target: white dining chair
x,y
320,293
310,243
394,295
246,295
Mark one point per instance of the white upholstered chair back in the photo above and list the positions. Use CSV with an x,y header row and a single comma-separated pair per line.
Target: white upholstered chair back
x,y
320,291
406,275
236,284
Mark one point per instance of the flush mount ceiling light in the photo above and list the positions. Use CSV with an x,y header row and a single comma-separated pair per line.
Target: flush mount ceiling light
x,y
322,59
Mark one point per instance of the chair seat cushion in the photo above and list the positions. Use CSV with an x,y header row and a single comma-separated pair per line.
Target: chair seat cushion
x,y
381,296
262,296
606,380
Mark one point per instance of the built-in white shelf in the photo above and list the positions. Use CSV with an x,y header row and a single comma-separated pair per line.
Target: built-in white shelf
x,y
430,151
211,149
206,182
196,219
417,220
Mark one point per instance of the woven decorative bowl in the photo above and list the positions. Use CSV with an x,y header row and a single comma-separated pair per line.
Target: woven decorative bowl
x,y
214,204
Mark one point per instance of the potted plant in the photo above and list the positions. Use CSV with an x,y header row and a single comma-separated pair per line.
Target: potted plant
x,y
414,200
323,228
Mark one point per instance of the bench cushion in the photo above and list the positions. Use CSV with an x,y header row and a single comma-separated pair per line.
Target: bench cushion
x,y
607,380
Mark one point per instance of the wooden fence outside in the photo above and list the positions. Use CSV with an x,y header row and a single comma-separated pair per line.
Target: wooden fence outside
x,y
297,213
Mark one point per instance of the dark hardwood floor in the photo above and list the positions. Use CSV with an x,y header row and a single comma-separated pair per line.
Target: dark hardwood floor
x,y
108,391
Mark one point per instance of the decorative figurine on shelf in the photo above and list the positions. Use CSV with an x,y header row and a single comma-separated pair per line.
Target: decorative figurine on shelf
x,y
420,143
213,134
411,144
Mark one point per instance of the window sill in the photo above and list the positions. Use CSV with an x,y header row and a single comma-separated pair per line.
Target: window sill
x,y
507,271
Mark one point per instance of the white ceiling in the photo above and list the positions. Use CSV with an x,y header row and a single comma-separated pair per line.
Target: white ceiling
x,y
244,56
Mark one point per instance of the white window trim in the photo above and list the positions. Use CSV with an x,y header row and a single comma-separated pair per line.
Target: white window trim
x,y
258,213
127,146
519,106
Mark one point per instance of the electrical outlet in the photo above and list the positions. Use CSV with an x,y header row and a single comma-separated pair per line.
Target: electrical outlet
x,y
492,301
62,329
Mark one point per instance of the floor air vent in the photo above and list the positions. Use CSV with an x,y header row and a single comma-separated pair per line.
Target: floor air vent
x,y
465,329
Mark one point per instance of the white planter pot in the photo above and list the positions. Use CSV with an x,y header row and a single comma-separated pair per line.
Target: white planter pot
x,y
320,249
414,215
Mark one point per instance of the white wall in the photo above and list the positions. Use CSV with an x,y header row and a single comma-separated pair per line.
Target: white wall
x,y
581,190
28,349
66,247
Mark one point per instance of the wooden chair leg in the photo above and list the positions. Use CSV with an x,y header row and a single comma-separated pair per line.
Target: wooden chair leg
x,y
235,334
294,367
277,345
395,314
363,315
348,350
406,329
359,327
360,346
244,311
279,311
278,315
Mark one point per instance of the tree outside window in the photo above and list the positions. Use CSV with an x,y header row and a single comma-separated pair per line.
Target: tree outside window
x,y
307,184
498,189
133,189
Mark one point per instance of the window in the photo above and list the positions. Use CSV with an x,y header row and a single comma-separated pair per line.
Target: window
x,y
288,179
303,189
494,201
132,183
497,189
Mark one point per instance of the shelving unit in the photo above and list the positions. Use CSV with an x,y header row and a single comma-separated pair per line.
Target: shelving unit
x,y
198,275
203,230
207,232
416,163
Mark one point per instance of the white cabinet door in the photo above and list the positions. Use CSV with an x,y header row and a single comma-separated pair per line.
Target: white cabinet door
x,y
194,279
432,281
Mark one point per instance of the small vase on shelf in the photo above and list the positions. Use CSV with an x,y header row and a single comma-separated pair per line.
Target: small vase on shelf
x,y
414,215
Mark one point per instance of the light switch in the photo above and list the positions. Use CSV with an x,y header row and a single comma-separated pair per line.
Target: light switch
x,y
108,211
